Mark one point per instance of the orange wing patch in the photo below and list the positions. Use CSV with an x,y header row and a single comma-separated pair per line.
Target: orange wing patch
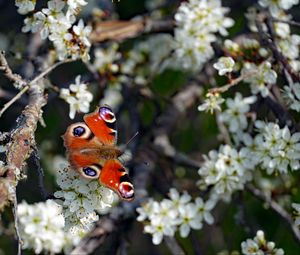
x,y
114,176
102,123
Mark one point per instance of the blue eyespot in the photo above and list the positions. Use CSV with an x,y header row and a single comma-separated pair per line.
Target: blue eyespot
x,y
78,131
89,171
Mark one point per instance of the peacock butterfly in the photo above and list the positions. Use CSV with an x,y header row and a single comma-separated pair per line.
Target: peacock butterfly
x,y
92,151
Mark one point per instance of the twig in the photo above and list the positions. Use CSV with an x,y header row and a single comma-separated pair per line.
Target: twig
x,y
173,245
16,222
277,208
232,83
271,42
277,53
290,22
26,87
280,113
8,72
49,69
14,99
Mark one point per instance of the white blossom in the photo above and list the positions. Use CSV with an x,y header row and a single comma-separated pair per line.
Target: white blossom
x,y
75,4
25,6
81,199
224,65
204,209
197,23
277,148
42,228
175,214
158,229
259,246
54,23
231,46
211,103
77,97
262,75
227,170
189,219
235,114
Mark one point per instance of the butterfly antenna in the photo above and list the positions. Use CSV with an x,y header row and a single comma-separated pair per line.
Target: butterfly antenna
x,y
130,140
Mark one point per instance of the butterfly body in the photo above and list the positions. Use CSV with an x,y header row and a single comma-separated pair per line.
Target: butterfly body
x,y
92,151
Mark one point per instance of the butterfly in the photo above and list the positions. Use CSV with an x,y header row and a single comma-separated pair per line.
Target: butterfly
x,y
92,151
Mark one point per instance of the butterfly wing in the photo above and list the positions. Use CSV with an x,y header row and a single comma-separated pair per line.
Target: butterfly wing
x,y
92,152
83,150
114,176
102,123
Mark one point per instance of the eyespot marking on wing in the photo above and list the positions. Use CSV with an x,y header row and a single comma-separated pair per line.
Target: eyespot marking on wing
x,y
107,114
91,172
81,131
126,190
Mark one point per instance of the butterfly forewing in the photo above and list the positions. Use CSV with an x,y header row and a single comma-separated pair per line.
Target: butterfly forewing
x,y
102,123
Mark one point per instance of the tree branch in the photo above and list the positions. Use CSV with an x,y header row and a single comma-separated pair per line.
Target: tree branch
x,y
16,78
173,245
276,208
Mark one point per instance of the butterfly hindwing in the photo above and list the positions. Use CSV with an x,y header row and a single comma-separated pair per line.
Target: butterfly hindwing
x,y
114,176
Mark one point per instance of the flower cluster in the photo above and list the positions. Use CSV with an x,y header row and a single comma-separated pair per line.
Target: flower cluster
x,y
227,170
42,228
81,199
259,246
296,207
235,114
275,148
57,23
197,22
77,97
176,213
